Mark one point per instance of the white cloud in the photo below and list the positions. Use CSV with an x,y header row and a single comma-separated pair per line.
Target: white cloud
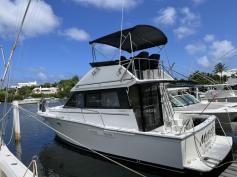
x,y
76,34
209,38
185,21
188,23
196,48
204,61
167,16
42,76
110,4
183,31
189,18
222,50
39,20
212,50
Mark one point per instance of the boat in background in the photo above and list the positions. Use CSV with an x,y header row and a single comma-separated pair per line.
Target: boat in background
x,y
183,102
217,93
29,101
122,108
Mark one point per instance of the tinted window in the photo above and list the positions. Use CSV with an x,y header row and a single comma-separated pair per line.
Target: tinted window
x,y
93,100
76,100
110,99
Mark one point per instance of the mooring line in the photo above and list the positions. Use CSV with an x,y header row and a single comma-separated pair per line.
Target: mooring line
x,y
34,115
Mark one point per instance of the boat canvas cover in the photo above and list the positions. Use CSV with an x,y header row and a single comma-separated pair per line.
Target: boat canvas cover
x,y
142,37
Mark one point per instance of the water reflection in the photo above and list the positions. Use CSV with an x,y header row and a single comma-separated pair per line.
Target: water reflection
x,y
18,150
57,158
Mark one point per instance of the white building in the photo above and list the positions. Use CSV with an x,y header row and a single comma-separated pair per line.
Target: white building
x,y
229,72
50,90
23,84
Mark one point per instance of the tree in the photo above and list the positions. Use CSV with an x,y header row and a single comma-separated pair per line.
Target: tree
x,y
24,91
219,69
46,85
65,86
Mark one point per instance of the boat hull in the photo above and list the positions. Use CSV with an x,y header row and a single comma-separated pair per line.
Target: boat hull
x,y
175,152
134,146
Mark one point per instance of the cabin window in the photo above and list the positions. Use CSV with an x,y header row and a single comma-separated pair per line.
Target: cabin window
x,y
76,101
93,100
101,99
109,100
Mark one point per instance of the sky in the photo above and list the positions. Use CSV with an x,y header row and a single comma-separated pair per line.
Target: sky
x,y
54,44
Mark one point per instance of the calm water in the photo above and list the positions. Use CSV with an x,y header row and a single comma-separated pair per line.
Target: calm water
x,y
55,159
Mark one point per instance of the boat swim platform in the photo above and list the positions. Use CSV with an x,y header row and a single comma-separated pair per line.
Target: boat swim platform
x,y
230,171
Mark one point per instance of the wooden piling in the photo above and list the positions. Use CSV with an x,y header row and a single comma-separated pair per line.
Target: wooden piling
x,y
16,121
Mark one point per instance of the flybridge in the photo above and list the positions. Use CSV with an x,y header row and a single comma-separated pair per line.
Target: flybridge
x,y
134,39
140,37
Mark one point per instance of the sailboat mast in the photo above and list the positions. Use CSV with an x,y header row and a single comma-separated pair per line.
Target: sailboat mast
x,y
8,65
15,43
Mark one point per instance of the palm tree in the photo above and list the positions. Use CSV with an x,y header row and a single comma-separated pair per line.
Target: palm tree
x,y
219,69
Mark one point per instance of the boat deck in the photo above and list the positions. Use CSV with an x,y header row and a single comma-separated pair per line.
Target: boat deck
x,y
231,171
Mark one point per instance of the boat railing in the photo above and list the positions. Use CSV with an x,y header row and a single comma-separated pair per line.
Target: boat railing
x,y
94,111
167,107
145,68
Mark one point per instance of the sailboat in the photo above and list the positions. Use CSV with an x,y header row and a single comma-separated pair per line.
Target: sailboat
x,y
122,108
10,166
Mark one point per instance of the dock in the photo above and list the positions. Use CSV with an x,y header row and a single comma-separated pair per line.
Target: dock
x,y
231,171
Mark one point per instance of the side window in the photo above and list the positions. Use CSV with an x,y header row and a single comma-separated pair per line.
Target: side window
x,y
109,99
93,100
76,101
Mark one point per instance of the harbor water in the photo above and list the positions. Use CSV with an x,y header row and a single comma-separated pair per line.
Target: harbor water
x,y
56,159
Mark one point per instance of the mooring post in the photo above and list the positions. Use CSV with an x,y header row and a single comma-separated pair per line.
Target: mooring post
x,y
16,121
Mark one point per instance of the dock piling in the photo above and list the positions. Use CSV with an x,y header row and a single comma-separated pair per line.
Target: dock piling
x,y
16,121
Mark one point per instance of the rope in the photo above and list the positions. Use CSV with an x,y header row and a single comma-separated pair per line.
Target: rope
x,y
33,115
5,115
33,163
200,156
9,141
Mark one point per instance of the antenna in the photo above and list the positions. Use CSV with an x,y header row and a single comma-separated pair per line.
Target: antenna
x,y
121,35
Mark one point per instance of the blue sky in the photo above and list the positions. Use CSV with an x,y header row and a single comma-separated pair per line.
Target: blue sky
x,y
54,44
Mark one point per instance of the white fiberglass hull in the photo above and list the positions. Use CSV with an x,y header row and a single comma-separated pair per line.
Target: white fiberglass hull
x,y
159,150
10,166
124,144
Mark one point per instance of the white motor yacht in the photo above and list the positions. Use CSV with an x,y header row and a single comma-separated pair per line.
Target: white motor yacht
x,y
218,93
183,102
122,108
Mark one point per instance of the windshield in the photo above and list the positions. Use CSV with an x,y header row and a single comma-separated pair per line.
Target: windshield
x,y
178,101
192,99
183,100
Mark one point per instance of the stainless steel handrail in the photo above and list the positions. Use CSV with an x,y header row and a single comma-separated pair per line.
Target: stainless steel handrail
x,y
134,70
101,118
